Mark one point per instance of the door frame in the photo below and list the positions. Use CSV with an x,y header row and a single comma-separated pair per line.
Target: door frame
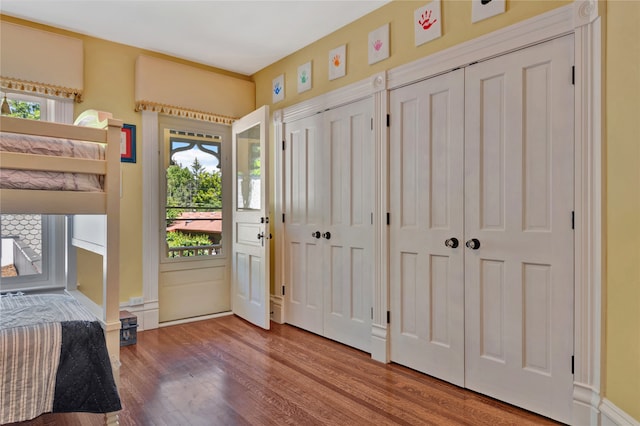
x,y
581,18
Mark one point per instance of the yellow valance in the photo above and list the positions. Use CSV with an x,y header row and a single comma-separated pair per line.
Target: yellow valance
x,y
40,62
181,90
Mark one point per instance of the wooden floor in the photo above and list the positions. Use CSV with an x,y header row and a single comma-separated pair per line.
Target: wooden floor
x,y
225,371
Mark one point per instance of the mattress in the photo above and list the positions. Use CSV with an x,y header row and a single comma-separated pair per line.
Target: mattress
x,y
55,181
53,358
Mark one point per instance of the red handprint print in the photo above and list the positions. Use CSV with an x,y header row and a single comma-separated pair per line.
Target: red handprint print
x,y
426,21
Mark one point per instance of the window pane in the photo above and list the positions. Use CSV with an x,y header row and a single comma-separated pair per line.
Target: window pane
x,y
248,169
21,245
194,195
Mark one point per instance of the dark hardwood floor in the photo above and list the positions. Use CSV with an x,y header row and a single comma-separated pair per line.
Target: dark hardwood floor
x,y
225,371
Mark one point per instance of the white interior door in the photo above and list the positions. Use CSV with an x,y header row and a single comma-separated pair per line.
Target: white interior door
x,y
518,205
304,221
426,197
250,251
329,180
348,182
494,314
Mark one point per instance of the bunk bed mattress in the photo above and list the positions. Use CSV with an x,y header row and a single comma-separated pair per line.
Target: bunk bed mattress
x,y
53,358
54,181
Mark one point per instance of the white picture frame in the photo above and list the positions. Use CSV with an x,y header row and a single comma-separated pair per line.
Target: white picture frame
x,y
338,62
304,77
483,9
427,22
378,44
277,89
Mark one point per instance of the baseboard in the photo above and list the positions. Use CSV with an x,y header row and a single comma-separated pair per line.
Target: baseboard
x,y
611,415
277,309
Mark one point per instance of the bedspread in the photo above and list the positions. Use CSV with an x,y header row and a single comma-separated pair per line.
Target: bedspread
x,y
57,181
53,358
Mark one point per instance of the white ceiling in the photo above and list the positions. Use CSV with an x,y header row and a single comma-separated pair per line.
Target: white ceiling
x,y
241,36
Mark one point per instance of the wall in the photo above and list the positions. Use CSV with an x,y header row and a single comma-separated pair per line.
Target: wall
x,y
109,75
621,308
622,138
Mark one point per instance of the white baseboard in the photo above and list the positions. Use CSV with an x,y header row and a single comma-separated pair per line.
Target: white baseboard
x,y
277,309
611,415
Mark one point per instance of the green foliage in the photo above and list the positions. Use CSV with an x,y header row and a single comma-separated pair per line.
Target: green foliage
x,y
191,187
30,110
180,239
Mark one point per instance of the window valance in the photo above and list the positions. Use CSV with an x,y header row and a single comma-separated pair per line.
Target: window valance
x,y
175,89
41,62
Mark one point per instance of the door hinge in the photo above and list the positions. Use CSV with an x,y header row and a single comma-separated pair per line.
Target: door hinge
x,y
372,312
573,220
572,364
388,218
372,218
371,123
573,75
282,217
283,289
388,317
284,144
388,120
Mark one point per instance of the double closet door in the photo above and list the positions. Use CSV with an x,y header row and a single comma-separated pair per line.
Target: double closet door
x,y
329,199
481,238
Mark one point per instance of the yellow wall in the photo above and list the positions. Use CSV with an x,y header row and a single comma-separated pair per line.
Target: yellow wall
x,y
109,73
621,370
622,137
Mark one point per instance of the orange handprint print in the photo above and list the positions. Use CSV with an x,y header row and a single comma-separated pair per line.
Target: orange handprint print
x,y
336,60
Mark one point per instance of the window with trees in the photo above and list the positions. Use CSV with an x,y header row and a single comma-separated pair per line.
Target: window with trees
x,y
193,194
31,249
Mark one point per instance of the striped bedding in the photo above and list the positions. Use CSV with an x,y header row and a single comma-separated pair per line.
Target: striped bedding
x,y
55,181
53,358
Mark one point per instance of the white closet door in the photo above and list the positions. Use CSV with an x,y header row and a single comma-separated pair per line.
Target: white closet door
x,y
304,204
518,204
426,197
348,181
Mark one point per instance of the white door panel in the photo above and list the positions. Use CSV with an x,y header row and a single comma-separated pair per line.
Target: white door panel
x,y
250,254
519,202
427,293
303,160
497,319
328,230
348,252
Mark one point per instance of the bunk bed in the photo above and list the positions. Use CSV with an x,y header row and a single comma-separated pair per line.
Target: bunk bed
x,y
98,195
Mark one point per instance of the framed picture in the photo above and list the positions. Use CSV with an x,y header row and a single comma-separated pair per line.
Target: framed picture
x,y
277,89
338,62
483,9
427,22
304,77
379,44
128,144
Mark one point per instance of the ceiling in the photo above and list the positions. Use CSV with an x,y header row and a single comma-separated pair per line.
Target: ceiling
x,y
239,36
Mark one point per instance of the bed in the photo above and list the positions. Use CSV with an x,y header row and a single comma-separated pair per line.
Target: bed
x,y
91,186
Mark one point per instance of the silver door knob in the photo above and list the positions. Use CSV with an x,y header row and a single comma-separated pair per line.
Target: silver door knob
x,y
316,234
451,242
473,244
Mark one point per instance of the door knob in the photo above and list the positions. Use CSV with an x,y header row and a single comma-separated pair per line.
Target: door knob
x,y
327,235
261,235
315,234
451,242
473,244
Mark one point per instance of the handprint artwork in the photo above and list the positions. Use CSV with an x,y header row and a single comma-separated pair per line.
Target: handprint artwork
x,y
425,21
336,61
377,45
277,89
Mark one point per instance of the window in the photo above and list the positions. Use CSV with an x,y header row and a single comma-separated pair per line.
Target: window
x,y
193,194
32,250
